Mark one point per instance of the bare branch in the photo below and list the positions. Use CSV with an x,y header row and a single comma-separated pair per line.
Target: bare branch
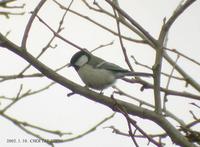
x,y
168,82
101,46
86,132
121,43
182,55
28,26
182,135
59,29
147,36
57,35
104,27
132,122
180,9
20,95
148,67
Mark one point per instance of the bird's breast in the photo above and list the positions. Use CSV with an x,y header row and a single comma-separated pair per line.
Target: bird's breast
x,y
96,78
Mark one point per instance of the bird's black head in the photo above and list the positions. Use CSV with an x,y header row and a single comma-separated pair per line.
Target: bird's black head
x,y
79,59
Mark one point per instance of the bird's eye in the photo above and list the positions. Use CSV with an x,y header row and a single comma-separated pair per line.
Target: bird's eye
x,y
81,60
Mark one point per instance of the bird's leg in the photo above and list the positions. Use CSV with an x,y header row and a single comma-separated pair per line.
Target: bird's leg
x,y
71,93
101,92
86,86
115,105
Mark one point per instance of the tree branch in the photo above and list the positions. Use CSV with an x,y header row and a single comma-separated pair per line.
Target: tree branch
x,y
131,109
30,22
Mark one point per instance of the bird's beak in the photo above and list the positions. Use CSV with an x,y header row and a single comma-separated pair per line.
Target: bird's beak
x,y
69,65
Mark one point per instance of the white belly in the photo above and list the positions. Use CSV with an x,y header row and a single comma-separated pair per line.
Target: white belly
x,y
96,78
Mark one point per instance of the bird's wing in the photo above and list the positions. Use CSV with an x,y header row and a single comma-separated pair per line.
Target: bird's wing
x,y
119,71
111,67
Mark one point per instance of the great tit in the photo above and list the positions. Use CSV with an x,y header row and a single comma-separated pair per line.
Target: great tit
x,y
98,74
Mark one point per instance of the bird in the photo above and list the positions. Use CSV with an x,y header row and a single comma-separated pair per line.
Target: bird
x,y
97,73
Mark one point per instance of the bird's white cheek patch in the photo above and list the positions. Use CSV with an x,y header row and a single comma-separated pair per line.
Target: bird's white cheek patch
x,y
81,61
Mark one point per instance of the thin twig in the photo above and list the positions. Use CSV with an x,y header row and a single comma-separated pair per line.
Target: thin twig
x,y
150,68
182,55
141,102
147,85
20,95
51,40
121,43
101,46
59,36
131,121
30,22
14,101
147,36
86,132
168,82
104,27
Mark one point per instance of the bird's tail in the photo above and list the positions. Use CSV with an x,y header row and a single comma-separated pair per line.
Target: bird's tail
x,y
138,74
